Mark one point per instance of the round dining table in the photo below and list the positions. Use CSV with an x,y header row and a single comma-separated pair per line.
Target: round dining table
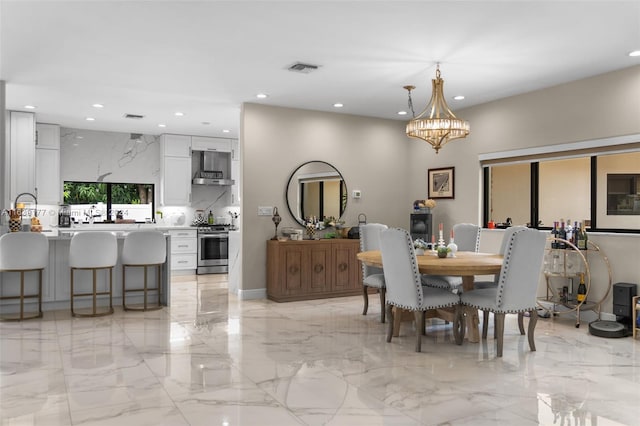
x,y
465,264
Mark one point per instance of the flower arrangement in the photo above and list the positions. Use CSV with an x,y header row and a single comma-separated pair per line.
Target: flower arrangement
x,y
419,243
443,251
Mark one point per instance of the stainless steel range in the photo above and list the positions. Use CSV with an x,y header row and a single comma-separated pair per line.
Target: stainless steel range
x,y
213,249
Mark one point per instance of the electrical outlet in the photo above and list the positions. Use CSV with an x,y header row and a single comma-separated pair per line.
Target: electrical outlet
x,y
356,193
265,211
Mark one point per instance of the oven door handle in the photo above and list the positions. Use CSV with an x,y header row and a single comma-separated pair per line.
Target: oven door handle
x,y
219,237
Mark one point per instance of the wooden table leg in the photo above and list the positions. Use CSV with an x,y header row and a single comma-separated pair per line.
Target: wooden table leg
x,y
471,314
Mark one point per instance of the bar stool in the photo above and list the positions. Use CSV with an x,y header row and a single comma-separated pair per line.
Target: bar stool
x,y
93,250
24,252
143,249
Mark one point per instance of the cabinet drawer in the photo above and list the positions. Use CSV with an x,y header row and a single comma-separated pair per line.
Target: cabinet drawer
x,y
201,143
183,233
183,261
184,245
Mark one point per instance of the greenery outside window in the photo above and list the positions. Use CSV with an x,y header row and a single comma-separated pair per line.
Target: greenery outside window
x,y
106,202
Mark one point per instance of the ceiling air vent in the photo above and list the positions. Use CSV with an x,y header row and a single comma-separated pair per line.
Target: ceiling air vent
x,y
303,68
134,116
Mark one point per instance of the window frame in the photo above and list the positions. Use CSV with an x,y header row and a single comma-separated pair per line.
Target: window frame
x,y
533,156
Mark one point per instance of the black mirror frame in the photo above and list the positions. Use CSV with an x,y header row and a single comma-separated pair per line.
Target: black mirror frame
x,y
343,201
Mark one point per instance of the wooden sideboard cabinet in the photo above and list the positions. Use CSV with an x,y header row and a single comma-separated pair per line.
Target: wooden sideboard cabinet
x,y
313,269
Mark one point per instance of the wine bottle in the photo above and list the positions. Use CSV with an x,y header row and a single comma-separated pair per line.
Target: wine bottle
x,y
210,219
582,290
554,234
562,234
582,238
568,232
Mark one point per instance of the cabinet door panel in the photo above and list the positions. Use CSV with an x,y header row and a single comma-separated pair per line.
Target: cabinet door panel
x,y
346,270
48,176
293,271
320,269
177,181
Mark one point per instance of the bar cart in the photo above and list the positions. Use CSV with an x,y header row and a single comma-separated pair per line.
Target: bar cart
x,y
563,268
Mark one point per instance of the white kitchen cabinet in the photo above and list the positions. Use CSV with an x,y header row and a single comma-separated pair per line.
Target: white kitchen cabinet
x,y
175,145
22,155
47,136
175,170
235,150
47,169
201,143
235,188
48,176
184,249
176,181
235,172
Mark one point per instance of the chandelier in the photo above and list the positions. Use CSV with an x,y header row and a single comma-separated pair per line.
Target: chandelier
x,y
436,125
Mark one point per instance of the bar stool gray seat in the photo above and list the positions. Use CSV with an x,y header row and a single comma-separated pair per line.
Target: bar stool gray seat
x,y
143,249
24,252
93,251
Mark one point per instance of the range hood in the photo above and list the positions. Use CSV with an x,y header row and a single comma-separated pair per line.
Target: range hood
x,y
214,169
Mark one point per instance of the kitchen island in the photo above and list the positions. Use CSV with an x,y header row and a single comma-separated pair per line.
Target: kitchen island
x,y
56,276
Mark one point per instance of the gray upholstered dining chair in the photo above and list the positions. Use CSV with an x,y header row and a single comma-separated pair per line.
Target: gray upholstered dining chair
x,y
467,238
494,283
517,284
372,277
405,289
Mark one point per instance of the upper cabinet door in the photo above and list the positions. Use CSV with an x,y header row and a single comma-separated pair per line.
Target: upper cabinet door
x,y
235,149
22,158
47,136
201,143
176,145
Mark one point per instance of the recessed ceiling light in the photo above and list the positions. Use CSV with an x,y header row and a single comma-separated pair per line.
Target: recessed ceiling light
x,y
402,112
30,106
262,96
225,130
79,137
97,106
338,105
162,125
178,114
458,98
90,119
634,53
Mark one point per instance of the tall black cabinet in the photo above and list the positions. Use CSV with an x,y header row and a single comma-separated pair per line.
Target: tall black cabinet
x,y
420,226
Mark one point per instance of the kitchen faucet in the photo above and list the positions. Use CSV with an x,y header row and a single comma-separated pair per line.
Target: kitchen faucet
x,y
35,198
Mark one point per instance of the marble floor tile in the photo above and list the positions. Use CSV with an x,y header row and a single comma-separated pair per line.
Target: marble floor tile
x,y
212,359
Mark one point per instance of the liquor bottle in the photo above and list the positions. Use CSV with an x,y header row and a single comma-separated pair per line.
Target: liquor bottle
x,y
568,232
562,234
210,218
554,234
582,238
582,290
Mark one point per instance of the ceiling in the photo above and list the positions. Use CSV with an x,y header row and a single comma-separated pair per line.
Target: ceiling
x,y
206,58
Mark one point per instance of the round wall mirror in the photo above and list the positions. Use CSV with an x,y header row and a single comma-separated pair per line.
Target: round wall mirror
x,y
316,189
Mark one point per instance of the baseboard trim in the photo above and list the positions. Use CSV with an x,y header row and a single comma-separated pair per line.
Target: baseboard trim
x,y
258,293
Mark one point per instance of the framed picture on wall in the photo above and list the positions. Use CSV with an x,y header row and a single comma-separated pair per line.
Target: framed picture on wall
x,y
441,182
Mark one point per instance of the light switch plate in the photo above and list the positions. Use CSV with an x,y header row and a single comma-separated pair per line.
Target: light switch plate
x,y
265,211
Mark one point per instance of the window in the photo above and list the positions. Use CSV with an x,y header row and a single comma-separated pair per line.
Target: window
x,y
601,189
105,202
